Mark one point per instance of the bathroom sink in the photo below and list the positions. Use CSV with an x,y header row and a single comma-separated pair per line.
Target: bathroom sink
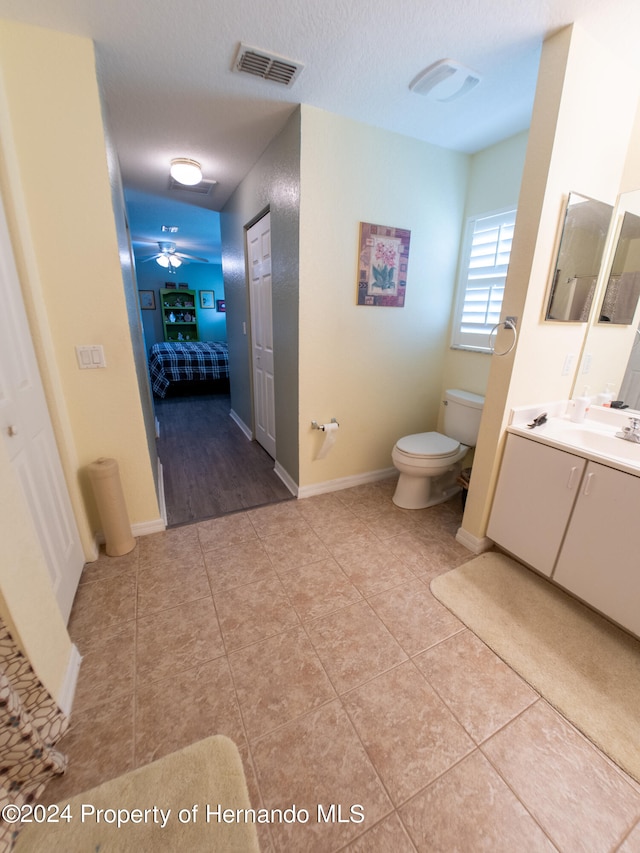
x,y
605,443
596,441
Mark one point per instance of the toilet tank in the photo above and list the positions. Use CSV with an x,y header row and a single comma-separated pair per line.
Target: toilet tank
x,y
462,414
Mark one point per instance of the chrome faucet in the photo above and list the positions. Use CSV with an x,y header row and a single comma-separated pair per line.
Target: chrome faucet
x,y
631,432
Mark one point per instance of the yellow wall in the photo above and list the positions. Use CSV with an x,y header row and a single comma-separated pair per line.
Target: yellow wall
x,y
631,174
583,93
377,370
55,185
59,202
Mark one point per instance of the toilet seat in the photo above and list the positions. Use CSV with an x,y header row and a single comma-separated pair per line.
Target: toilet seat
x,y
431,444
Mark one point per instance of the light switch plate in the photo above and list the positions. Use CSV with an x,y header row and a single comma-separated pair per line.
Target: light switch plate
x,y
90,356
568,363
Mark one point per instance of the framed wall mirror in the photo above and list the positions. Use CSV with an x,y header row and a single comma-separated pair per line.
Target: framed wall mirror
x,y
611,351
582,242
623,286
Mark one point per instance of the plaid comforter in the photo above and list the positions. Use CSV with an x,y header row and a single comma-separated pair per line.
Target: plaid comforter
x,y
177,361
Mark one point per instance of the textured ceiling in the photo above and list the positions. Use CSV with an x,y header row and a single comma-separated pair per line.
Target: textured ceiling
x,y
165,72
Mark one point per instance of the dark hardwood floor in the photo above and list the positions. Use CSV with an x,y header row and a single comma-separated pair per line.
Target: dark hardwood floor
x,y
210,468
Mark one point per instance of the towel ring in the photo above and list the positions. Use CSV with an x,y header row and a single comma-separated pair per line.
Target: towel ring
x,y
506,324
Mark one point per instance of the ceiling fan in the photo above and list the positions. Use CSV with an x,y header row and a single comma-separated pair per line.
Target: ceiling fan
x,y
169,258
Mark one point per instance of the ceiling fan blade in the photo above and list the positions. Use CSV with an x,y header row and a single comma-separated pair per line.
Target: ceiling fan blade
x,y
191,257
150,258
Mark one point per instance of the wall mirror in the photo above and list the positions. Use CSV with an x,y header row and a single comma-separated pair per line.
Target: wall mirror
x,y
584,236
611,352
623,285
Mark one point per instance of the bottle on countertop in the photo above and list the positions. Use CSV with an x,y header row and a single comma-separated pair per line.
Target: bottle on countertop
x,y
580,406
605,397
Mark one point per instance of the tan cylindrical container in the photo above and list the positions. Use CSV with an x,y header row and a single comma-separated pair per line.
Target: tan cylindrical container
x,y
107,489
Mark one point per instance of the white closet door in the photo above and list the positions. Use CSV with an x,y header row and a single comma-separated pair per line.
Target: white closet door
x,y
28,436
260,286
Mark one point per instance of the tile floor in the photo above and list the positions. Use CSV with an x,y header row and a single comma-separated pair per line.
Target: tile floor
x,y
306,632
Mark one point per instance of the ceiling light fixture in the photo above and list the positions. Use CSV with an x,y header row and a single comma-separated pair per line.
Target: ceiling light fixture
x,y
445,80
186,171
168,260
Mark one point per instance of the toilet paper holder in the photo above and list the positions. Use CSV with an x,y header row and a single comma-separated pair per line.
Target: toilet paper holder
x,y
316,425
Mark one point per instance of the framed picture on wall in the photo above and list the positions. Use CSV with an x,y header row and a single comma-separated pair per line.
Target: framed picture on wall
x,y
207,299
221,305
147,300
383,263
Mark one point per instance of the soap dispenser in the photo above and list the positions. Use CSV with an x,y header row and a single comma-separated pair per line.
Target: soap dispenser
x,y
605,397
580,406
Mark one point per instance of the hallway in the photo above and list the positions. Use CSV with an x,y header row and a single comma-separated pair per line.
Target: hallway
x,y
209,467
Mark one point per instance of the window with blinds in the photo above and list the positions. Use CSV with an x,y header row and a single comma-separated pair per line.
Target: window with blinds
x,y
485,260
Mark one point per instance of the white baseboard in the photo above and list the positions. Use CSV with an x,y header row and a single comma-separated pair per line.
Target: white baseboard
x,y
144,528
286,479
95,551
68,689
475,545
237,420
161,498
345,482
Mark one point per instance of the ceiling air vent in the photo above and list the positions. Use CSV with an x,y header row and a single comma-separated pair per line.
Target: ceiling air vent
x,y
269,66
202,188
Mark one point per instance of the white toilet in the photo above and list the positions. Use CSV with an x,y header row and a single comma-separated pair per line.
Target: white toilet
x,y
429,462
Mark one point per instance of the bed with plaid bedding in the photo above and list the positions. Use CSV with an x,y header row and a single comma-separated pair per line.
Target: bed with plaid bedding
x,y
175,362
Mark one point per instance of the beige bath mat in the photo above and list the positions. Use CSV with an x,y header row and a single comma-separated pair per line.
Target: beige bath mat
x,y
582,664
159,807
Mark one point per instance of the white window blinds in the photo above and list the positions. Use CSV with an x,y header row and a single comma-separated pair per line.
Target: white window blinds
x,y
484,265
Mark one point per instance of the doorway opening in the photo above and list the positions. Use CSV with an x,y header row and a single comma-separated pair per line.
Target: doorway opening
x,y
210,468
209,465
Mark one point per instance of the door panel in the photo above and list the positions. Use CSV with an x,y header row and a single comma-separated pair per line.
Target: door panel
x,y
260,296
598,561
28,436
536,490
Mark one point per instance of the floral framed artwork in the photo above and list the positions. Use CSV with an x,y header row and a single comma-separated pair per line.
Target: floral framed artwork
x,y
147,300
382,265
207,299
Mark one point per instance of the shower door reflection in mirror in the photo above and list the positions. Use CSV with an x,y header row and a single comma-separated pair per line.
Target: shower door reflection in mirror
x,y
623,288
584,235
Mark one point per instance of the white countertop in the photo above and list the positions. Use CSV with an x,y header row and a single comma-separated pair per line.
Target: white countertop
x,y
594,438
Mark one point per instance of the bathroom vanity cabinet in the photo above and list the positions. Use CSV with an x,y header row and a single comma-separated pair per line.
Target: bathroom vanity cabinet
x,y
576,521
534,498
598,561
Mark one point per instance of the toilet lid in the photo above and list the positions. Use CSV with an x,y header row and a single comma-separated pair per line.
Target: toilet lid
x,y
428,444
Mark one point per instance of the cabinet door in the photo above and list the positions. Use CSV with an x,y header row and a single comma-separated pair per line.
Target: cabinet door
x,y
537,488
599,558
